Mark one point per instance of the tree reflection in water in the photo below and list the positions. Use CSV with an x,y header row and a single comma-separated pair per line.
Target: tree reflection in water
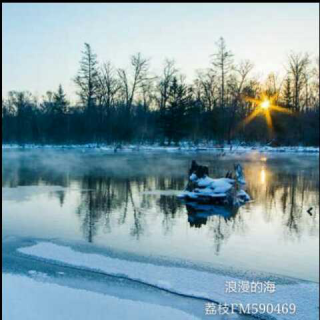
x,y
113,193
222,221
290,191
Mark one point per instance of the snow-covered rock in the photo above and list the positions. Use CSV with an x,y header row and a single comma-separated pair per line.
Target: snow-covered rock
x,y
224,191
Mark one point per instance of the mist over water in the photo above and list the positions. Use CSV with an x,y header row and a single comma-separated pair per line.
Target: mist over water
x,y
128,201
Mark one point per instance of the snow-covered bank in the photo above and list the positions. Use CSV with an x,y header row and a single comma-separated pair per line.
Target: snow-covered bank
x,y
186,281
27,299
182,148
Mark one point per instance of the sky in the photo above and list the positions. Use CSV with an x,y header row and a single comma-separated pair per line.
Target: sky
x,y
42,43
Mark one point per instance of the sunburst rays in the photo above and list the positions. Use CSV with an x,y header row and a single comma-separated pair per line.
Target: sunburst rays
x,y
263,106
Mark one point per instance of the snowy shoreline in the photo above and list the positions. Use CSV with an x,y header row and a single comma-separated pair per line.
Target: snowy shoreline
x,y
180,280
157,148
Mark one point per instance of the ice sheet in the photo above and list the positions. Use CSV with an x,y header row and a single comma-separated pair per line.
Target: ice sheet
x,y
27,299
192,282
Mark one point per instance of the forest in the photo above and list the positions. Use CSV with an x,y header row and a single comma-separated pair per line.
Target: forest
x,y
120,106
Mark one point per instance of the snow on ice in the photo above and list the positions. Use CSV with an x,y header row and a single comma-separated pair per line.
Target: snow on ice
x,y
187,281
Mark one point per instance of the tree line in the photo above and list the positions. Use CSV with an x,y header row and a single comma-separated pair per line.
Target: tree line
x,y
133,105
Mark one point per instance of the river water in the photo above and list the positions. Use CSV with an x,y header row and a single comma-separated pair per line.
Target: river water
x,y
128,202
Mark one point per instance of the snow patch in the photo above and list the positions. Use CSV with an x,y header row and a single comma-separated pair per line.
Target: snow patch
x,y
185,281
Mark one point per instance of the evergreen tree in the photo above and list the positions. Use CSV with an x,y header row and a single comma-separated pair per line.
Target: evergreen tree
x,y
60,102
287,92
87,82
175,113
87,79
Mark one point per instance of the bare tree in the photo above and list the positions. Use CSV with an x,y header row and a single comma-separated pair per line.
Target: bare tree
x,y
298,64
273,86
315,84
147,94
169,71
243,70
222,60
140,67
207,82
236,84
109,85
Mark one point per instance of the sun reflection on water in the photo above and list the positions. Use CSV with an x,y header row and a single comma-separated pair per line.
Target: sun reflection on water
x,y
263,176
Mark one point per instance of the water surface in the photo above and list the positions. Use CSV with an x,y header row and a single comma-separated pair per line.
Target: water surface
x,y
128,202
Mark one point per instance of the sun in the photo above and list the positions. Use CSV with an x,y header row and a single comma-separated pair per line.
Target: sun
x,y
265,104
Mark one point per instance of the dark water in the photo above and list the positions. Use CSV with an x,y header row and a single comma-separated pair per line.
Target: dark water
x,y
128,202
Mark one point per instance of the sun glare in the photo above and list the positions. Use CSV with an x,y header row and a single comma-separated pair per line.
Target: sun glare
x,y
265,104
262,176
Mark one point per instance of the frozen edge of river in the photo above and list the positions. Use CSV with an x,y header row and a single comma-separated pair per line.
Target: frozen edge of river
x,y
26,298
52,272
179,279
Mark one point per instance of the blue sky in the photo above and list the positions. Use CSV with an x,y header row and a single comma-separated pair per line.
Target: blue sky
x,y
42,43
